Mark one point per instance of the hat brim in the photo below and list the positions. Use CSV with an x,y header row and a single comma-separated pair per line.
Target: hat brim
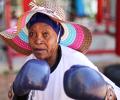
x,y
75,36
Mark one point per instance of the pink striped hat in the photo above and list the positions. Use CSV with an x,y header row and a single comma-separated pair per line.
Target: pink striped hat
x,y
75,36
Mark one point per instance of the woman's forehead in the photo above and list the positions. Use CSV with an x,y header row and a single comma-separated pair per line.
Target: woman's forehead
x,y
41,26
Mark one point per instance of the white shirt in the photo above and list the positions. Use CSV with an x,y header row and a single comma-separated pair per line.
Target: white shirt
x,y
54,89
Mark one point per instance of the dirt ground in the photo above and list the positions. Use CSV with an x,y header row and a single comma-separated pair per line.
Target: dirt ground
x,y
5,82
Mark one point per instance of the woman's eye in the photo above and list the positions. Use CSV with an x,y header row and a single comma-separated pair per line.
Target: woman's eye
x,y
45,34
31,34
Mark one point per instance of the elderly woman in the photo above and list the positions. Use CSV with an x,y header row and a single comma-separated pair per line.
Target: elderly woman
x,y
42,33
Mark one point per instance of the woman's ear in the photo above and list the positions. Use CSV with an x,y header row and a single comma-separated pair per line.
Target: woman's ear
x,y
110,94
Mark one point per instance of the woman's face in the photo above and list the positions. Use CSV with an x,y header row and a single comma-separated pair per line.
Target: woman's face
x,y
43,41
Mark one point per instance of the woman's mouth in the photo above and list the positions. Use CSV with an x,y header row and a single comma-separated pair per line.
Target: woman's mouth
x,y
39,50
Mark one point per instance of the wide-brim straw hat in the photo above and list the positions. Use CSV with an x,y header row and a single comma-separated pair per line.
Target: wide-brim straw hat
x,y
75,36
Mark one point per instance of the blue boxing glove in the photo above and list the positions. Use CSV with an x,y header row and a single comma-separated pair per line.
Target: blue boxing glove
x,y
34,75
84,83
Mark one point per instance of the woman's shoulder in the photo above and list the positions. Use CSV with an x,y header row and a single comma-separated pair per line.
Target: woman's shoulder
x,y
71,52
74,57
31,56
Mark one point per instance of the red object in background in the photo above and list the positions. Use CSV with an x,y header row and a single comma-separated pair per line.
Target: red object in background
x,y
8,13
118,27
99,16
7,22
26,6
9,53
95,52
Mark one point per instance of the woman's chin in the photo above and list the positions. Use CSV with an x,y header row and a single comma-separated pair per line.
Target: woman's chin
x,y
41,56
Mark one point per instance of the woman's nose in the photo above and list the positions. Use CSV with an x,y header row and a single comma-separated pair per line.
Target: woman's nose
x,y
39,39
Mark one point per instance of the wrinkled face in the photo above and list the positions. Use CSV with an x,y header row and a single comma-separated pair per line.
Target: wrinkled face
x,y
43,41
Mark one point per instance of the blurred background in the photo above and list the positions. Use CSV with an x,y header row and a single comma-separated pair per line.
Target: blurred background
x,y
100,16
